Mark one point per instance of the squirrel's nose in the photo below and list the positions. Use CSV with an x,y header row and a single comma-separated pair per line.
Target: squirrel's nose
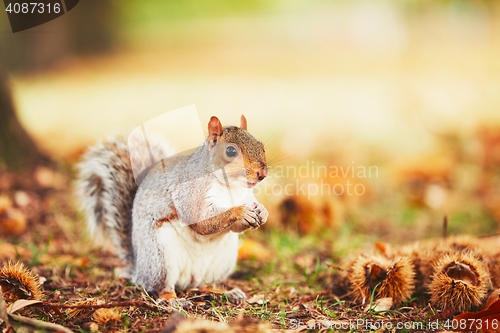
x,y
262,173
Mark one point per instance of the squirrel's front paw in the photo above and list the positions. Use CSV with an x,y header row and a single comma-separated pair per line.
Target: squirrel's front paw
x,y
251,217
261,212
246,219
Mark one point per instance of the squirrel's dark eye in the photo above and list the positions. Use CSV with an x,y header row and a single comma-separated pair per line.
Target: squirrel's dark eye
x,y
231,151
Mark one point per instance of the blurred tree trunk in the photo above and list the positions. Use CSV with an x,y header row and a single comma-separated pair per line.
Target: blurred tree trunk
x,y
18,152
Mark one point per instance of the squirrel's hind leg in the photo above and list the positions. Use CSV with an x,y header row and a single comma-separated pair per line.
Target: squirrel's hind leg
x,y
235,295
169,295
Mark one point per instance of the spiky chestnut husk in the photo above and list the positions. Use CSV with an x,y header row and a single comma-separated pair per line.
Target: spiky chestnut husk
x,y
460,281
493,262
420,256
364,274
395,278
491,248
18,282
104,316
400,281
463,243
424,255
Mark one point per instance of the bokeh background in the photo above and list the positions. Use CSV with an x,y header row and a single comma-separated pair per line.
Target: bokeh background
x,y
410,87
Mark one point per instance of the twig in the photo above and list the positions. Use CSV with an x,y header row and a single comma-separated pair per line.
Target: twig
x,y
445,226
339,268
100,306
3,309
32,324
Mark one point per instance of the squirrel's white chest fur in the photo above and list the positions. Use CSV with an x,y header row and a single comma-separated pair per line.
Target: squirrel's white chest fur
x,y
192,260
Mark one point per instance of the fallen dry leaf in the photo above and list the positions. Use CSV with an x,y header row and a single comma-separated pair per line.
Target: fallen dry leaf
x,y
382,304
494,296
75,312
256,299
22,303
11,251
22,199
251,249
384,248
483,321
12,222
3,309
48,178
5,203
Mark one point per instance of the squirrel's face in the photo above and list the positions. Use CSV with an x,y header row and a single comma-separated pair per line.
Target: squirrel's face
x,y
239,155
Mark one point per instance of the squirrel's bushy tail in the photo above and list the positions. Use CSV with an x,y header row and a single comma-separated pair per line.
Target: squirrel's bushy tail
x,y
106,189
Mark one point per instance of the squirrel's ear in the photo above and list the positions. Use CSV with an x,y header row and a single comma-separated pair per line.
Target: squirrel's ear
x,y
243,124
214,129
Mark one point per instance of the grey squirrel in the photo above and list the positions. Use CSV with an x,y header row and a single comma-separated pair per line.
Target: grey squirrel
x,y
179,227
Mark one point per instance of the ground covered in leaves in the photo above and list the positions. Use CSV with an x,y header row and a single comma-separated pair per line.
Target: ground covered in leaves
x,y
289,279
